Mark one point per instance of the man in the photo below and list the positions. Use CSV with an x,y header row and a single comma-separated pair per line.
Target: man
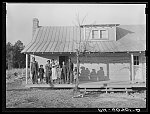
x,y
100,74
70,71
34,70
48,68
64,76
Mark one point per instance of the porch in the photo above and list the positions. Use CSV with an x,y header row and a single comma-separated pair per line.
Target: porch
x,y
91,85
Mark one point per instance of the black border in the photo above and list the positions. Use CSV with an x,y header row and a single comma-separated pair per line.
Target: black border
x,y
4,109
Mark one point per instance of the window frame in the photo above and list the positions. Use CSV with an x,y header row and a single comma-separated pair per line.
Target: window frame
x,y
136,60
93,34
99,34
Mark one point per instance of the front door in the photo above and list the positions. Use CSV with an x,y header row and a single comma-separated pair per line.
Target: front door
x,y
63,58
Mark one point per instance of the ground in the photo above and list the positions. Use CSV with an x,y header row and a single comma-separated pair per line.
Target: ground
x,y
17,96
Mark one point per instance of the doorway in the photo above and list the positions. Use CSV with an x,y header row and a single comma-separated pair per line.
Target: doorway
x,y
63,58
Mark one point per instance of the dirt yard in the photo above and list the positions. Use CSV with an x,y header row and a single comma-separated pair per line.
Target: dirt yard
x,y
17,96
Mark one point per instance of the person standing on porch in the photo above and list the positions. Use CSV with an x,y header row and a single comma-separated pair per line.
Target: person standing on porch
x,y
59,69
34,70
70,72
41,73
64,72
54,72
100,74
48,68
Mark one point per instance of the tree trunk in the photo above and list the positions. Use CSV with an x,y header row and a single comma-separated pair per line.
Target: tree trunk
x,y
19,65
9,65
11,61
77,80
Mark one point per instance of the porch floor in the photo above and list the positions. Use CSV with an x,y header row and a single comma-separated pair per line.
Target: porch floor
x,y
100,84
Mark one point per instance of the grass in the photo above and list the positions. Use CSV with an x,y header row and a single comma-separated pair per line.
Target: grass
x,y
14,73
17,96
63,99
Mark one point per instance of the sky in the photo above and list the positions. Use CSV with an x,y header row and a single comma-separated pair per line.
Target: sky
x,y
20,16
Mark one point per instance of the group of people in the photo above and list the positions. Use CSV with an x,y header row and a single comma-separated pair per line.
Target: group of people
x,y
54,73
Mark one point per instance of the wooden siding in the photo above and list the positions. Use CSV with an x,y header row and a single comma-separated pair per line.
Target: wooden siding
x,y
119,67
116,66
140,70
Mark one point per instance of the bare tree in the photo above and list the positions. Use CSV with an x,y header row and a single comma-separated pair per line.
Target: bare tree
x,y
82,46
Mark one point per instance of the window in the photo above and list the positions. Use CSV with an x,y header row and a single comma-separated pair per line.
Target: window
x,y
99,34
136,60
94,34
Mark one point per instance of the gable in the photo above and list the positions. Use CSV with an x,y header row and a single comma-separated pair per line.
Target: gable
x,y
132,37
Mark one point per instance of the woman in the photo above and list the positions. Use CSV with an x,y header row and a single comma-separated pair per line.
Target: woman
x,y
54,73
59,69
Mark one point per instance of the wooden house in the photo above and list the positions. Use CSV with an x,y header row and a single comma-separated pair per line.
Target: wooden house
x,y
113,52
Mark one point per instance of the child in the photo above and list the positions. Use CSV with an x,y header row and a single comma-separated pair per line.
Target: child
x,y
59,69
41,73
75,75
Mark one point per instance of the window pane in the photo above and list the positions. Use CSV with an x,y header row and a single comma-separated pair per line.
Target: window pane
x,y
94,33
134,58
137,58
137,63
134,62
103,34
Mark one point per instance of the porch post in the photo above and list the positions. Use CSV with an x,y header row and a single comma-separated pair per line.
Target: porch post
x,y
108,70
84,33
26,68
30,66
142,72
132,68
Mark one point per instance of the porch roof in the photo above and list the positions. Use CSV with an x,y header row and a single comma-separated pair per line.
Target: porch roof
x,y
66,39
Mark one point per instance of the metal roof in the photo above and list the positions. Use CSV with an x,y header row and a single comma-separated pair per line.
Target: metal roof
x,y
100,25
66,38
